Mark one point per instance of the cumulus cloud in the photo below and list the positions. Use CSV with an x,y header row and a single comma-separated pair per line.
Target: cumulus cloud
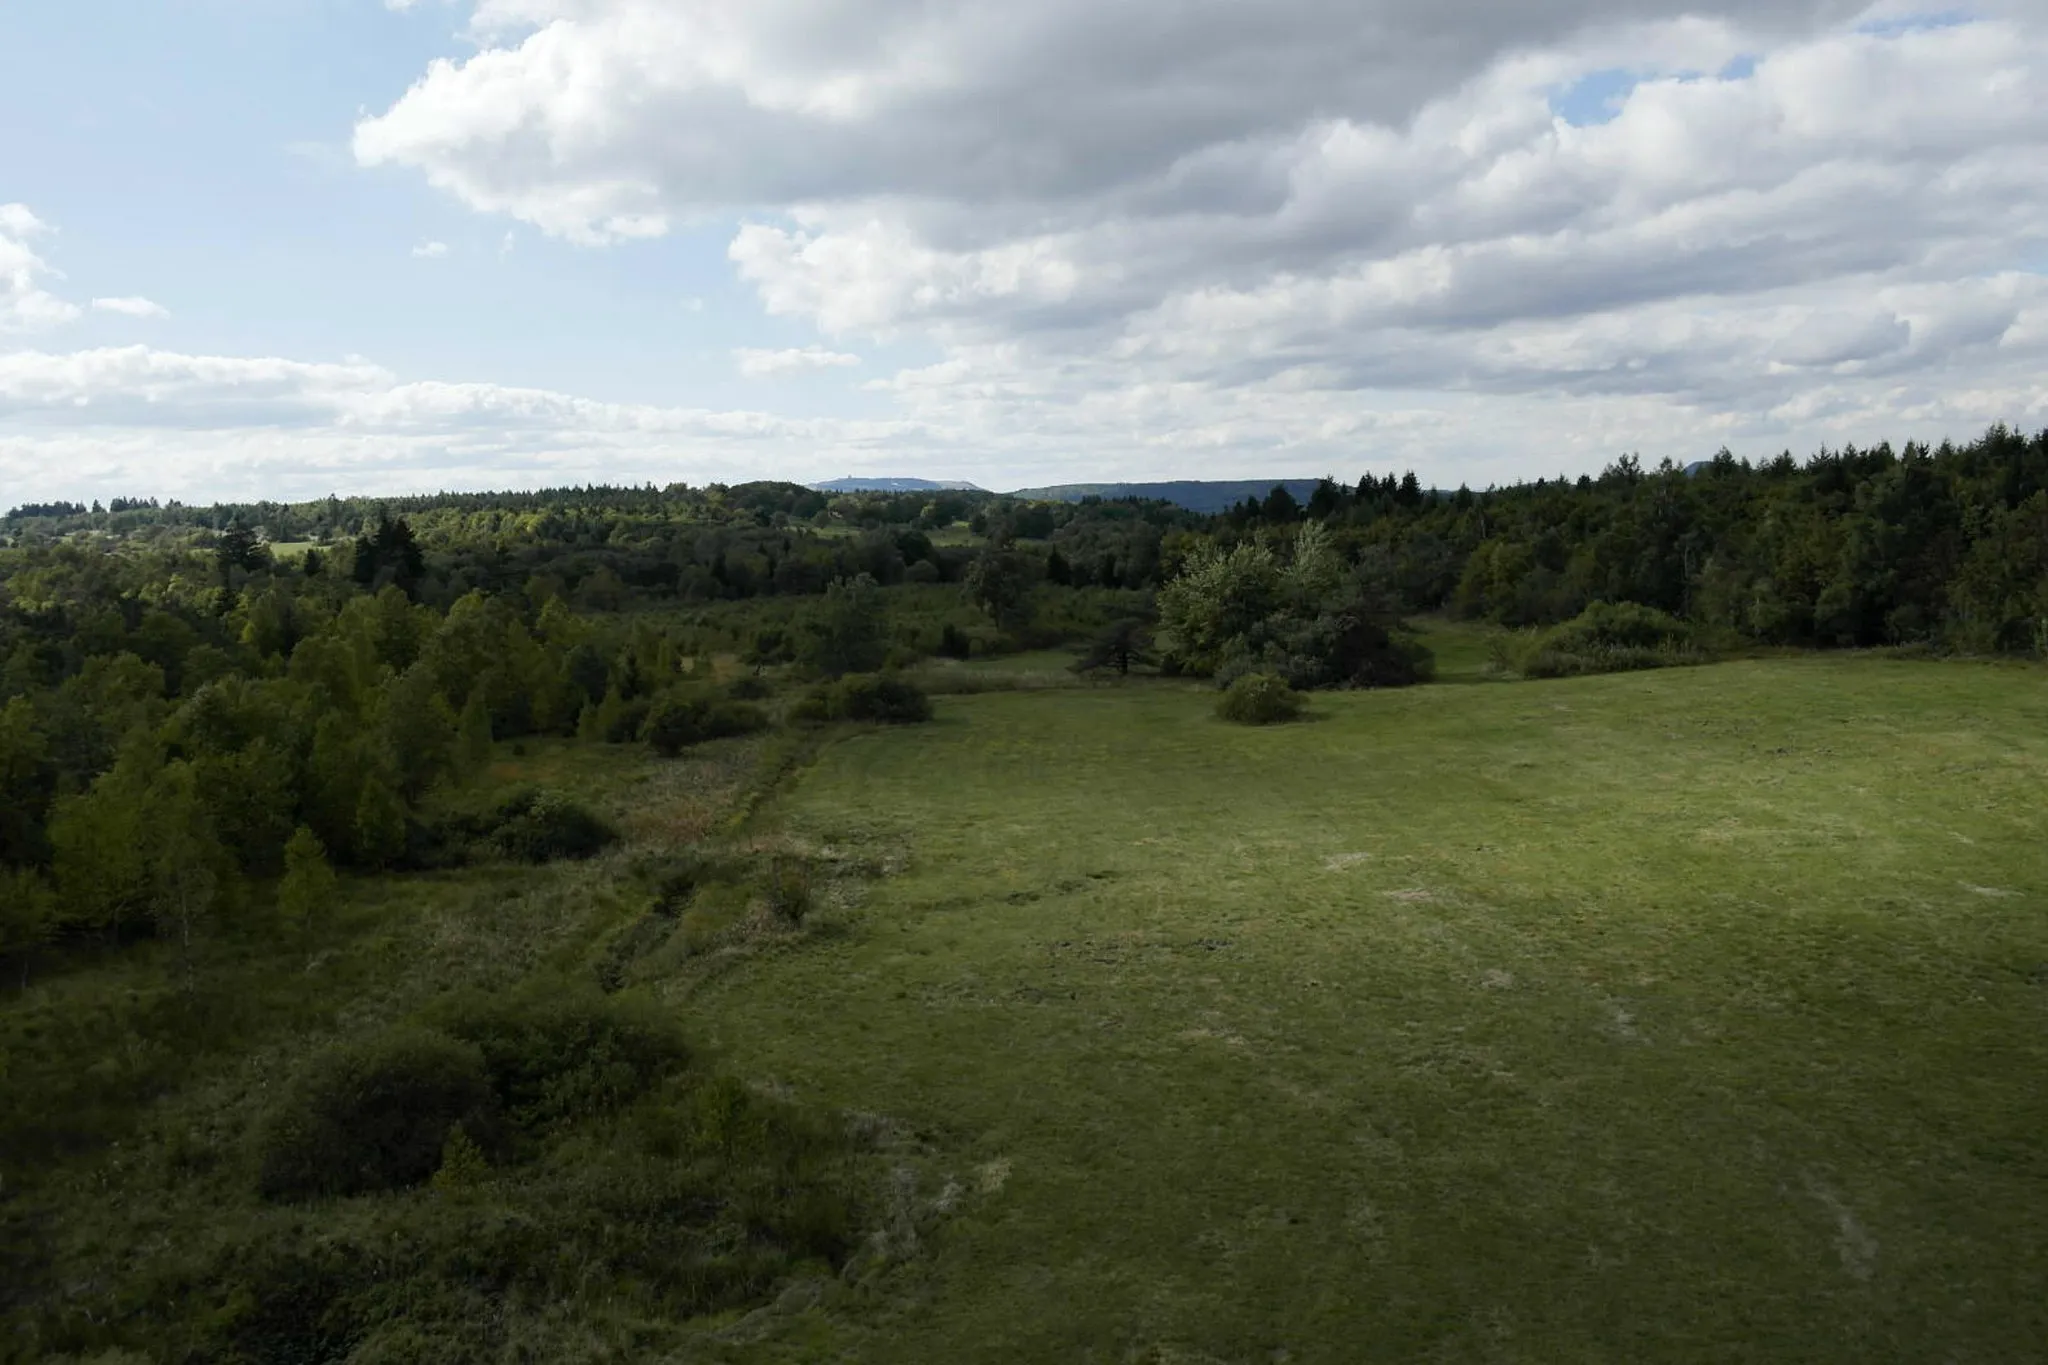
x,y
1270,228
761,364
133,306
24,304
430,251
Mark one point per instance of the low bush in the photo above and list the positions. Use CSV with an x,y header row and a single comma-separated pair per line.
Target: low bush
x,y
1607,637
750,687
1259,699
786,886
374,1116
706,1198
684,716
623,725
565,1052
542,826
885,698
1341,648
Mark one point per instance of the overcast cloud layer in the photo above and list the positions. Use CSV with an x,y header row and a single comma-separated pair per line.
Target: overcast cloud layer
x,y
1196,238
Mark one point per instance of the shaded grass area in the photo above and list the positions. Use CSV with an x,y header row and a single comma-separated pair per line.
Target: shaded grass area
x,y
624,1207
1687,1016
1463,649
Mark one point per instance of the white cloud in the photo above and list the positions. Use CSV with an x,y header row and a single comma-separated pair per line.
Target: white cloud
x,y
93,422
430,251
1262,227
24,304
134,307
760,364
1194,237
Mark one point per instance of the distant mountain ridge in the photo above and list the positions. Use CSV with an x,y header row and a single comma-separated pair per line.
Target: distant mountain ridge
x,y
1197,495
858,484
1207,496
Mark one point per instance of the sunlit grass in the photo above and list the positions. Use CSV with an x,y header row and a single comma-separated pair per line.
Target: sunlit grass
x,y
1684,1016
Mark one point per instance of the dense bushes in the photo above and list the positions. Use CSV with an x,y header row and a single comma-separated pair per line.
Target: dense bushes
x,y
1607,637
1259,699
885,698
684,716
541,826
1309,618
559,1055
374,1115
377,1115
692,1195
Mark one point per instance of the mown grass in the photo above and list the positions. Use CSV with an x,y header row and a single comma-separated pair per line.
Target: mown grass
x,y
1690,1016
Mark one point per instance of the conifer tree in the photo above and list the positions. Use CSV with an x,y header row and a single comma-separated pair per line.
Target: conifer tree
x,y
308,889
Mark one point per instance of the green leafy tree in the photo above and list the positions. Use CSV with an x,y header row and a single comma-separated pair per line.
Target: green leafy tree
x,y
844,633
28,916
379,821
27,781
419,731
473,732
999,582
101,842
309,887
1219,597
191,874
270,626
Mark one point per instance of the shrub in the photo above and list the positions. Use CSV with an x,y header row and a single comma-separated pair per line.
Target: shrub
x,y
541,826
887,698
787,889
373,1116
1259,699
883,697
1607,637
684,716
563,1053
623,725
748,688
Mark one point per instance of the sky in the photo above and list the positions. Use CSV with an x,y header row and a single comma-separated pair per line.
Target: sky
x,y
282,248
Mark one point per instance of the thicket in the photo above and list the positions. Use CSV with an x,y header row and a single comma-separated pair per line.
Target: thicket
x,y
497,1175
1607,637
1289,606
882,698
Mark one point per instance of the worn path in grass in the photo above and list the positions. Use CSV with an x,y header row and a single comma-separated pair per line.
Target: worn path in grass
x,y
1697,1015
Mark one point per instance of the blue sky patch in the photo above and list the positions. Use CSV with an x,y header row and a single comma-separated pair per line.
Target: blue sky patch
x,y
1595,97
1916,23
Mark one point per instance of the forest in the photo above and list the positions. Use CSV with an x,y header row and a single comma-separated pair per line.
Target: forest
x,y
218,724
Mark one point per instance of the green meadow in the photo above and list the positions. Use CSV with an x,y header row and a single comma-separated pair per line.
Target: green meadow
x,y
1689,1015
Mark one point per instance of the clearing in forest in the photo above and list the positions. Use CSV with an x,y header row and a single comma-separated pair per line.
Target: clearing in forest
x,y
1653,1016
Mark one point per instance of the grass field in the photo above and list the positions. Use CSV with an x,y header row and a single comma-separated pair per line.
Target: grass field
x,y
1694,1015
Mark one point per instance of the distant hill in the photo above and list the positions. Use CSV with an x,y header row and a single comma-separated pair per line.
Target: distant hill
x,y
855,484
1197,495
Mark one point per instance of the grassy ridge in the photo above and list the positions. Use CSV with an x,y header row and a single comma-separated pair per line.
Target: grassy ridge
x,y
1688,1016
